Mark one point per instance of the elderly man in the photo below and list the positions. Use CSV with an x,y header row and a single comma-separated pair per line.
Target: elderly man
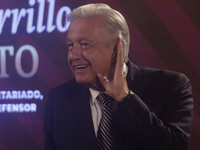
x,y
113,104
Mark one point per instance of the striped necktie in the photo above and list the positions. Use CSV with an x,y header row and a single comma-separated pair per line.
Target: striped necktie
x,y
105,130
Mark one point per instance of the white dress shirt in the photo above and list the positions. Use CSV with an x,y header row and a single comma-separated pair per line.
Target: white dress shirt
x,y
96,109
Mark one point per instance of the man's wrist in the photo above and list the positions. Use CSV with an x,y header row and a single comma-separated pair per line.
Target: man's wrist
x,y
130,93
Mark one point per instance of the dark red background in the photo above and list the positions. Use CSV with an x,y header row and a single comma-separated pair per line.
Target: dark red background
x,y
164,34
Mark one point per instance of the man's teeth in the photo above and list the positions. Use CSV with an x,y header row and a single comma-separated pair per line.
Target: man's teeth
x,y
81,66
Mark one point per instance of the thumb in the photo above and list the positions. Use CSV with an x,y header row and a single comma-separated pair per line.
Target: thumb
x,y
104,81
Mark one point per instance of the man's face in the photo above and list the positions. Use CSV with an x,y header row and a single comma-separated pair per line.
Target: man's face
x,y
90,52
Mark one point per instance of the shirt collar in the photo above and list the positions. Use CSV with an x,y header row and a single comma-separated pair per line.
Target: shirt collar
x,y
125,68
94,94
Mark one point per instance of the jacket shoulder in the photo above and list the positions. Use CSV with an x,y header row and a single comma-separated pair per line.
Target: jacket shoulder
x,y
159,74
65,87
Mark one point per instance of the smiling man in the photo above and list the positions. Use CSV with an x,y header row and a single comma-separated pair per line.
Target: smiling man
x,y
113,104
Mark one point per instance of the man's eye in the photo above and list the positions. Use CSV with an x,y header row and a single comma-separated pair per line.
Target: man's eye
x,y
85,45
70,45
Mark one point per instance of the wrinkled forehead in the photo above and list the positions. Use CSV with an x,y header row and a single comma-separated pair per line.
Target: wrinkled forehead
x,y
91,22
87,27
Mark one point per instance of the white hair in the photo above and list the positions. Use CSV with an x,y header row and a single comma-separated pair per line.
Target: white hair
x,y
115,23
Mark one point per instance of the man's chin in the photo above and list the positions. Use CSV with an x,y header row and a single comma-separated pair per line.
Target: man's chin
x,y
96,85
81,81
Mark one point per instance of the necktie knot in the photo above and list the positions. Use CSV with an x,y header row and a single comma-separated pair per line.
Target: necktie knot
x,y
105,99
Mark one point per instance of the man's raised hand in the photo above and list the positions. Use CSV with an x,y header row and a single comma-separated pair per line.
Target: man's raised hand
x,y
117,87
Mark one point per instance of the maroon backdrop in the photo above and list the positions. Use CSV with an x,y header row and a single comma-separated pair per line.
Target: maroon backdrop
x,y
164,34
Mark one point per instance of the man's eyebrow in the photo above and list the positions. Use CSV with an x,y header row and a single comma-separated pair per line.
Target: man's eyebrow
x,y
82,39
79,40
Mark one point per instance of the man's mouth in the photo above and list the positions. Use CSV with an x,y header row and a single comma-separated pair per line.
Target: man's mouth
x,y
81,66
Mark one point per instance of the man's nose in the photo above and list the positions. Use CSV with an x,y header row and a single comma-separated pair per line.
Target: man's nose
x,y
75,52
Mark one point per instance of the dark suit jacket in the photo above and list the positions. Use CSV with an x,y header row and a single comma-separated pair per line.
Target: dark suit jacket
x,y
157,117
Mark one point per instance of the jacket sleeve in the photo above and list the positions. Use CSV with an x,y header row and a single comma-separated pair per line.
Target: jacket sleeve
x,y
167,130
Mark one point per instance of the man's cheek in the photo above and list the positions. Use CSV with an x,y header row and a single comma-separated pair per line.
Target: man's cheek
x,y
85,53
93,70
90,55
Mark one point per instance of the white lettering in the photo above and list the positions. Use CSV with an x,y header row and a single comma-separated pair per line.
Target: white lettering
x,y
27,107
35,62
3,107
30,27
23,96
15,108
17,15
50,26
37,94
3,18
21,109
8,95
60,27
16,19
11,108
3,93
14,95
33,107
30,94
40,26
19,95
3,50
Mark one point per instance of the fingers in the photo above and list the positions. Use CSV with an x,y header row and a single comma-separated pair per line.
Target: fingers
x,y
118,70
120,59
104,81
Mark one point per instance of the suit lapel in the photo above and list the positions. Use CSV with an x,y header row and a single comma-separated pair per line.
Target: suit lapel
x,y
133,77
84,118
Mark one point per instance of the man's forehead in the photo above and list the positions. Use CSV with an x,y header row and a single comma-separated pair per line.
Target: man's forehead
x,y
87,22
83,29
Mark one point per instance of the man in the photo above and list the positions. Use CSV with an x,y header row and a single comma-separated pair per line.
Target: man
x,y
151,109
